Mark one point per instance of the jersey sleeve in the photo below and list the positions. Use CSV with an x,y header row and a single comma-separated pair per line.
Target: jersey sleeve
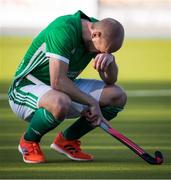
x,y
59,44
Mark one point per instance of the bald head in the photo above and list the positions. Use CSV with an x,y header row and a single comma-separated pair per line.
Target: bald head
x,y
112,31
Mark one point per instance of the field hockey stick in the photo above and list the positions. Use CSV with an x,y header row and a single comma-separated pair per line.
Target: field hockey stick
x,y
158,159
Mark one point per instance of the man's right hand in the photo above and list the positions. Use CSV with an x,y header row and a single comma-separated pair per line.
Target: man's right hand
x,y
93,115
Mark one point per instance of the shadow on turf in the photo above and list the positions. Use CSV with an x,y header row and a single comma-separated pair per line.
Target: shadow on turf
x,y
68,161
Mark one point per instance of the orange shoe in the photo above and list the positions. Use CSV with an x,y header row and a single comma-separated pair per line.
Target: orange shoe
x,y
70,148
31,151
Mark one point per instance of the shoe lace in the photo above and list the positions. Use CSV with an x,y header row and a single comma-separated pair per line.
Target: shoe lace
x,y
77,144
73,146
34,148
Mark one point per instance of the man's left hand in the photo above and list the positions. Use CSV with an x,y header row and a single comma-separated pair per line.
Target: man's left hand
x,y
102,61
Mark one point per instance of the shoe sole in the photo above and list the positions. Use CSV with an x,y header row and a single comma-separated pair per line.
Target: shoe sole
x,y
58,149
27,161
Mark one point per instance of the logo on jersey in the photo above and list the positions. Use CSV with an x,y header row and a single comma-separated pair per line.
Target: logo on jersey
x,y
73,51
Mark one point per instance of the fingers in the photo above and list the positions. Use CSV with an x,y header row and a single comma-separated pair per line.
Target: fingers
x,y
97,62
93,115
103,64
96,123
88,114
102,61
95,120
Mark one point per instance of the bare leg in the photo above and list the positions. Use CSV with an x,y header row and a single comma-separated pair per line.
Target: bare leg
x,y
113,95
55,102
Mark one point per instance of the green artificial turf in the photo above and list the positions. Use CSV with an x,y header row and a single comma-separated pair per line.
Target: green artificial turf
x,y
145,120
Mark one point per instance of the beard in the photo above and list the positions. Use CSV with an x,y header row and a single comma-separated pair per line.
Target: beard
x,y
89,46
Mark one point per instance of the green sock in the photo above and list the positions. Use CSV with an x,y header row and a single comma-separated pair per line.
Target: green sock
x,y
81,127
110,112
41,123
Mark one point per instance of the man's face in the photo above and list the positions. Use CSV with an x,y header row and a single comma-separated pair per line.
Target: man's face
x,y
104,44
101,44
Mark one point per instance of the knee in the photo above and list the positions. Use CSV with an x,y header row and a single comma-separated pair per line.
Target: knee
x,y
61,107
120,99
123,99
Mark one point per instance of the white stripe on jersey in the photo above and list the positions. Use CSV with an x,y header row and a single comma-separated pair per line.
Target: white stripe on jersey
x,y
42,48
57,56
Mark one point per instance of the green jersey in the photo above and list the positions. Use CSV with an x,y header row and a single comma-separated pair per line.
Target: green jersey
x,y
61,39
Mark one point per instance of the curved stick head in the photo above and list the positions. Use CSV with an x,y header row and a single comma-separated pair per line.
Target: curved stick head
x,y
158,157
157,160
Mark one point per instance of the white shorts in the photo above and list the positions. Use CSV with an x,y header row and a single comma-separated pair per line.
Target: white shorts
x,y
27,97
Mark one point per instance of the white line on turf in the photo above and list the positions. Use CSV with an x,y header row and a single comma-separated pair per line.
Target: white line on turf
x,y
130,93
98,147
148,93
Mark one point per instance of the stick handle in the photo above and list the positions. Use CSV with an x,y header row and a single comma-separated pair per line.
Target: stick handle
x,y
158,159
106,127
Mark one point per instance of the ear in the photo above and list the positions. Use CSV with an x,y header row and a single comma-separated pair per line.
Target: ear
x,y
95,34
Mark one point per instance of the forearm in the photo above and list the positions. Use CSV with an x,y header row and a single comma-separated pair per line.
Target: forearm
x,y
59,81
65,85
109,76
